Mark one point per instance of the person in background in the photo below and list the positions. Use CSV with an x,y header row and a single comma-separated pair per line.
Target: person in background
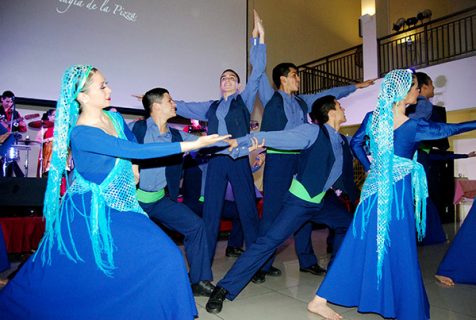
x,y
7,112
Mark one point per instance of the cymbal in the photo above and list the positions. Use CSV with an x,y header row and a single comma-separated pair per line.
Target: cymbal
x,y
41,123
28,141
20,147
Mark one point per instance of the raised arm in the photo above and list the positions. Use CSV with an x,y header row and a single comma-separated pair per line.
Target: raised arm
x,y
429,130
258,62
358,142
338,92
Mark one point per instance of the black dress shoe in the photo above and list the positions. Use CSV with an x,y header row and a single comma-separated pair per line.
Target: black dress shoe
x,y
215,303
233,252
273,272
203,288
314,269
259,277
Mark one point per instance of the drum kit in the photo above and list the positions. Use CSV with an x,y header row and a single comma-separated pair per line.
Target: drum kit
x,y
12,153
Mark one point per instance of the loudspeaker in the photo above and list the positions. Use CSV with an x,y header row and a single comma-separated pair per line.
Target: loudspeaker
x,y
21,196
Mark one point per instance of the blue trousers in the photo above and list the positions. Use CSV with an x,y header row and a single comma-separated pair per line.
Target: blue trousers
x,y
222,169
230,212
294,214
178,217
278,174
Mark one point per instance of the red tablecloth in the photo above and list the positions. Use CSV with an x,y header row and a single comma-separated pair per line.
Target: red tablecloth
x,y
22,234
464,188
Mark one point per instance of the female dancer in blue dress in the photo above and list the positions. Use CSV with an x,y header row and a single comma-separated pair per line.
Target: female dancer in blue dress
x,y
101,257
376,268
459,263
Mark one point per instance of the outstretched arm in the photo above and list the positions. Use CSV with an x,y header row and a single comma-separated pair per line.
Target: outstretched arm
x,y
81,139
193,110
429,130
299,138
338,92
358,143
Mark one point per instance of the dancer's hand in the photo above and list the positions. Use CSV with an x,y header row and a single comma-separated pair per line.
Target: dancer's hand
x,y
258,25
365,84
203,141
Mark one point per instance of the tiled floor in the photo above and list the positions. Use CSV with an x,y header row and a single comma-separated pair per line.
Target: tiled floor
x,y
286,297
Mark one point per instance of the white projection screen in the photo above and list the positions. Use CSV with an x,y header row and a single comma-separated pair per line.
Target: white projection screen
x,y
182,45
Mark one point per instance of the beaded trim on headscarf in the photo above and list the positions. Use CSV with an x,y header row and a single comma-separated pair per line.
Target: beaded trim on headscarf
x,y
67,110
386,168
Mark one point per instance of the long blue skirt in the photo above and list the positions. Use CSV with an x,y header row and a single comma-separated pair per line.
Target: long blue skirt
x,y
459,262
352,279
149,281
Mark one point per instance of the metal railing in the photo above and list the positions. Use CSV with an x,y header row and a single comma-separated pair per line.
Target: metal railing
x,y
332,71
448,38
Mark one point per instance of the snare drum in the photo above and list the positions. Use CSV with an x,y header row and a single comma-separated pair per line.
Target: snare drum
x,y
12,154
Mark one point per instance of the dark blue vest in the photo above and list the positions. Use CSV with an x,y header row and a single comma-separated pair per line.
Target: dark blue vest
x,y
346,180
315,163
274,117
237,119
173,163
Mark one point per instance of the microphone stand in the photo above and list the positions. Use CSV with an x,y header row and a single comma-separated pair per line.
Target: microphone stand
x,y
11,118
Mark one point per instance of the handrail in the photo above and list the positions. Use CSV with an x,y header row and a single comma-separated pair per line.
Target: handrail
x,y
447,17
331,55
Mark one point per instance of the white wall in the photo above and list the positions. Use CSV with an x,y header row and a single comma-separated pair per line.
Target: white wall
x,y
181,45
455,85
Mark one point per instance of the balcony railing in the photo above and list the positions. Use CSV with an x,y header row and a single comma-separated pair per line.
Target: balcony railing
x,y
335,70
448,38
445,39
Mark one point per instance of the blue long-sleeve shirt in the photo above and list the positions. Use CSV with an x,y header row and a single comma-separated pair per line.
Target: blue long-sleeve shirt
x,y
292,109
423,109
198,110
299,138
153,179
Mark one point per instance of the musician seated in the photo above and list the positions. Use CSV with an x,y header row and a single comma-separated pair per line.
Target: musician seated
x,y
8,110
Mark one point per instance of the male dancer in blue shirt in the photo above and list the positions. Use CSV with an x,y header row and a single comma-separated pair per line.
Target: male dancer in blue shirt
x,y
284,110
319,169
230,115
161,174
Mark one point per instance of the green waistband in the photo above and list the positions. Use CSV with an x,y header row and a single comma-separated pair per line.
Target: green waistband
x,y
300,191
425,149
278,151
149,197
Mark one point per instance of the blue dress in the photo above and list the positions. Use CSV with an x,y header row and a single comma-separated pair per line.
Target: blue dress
x,y
4,262
149,280
459,263
352,279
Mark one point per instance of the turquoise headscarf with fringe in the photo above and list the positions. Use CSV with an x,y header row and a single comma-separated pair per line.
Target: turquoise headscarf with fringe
x,y
116,191
387,168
